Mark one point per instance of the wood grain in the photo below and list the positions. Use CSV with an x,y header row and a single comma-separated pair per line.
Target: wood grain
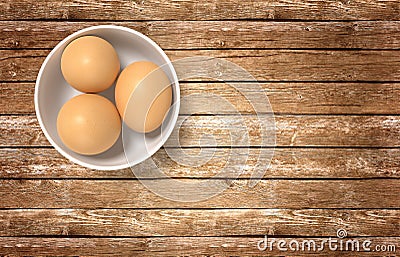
x,y
289,98
300,65
178,222
287,163
290,131
200,10
331,72
364,193
231,130
219,34
265,65
167,246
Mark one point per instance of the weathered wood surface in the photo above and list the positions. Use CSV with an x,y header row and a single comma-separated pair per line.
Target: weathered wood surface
x,y
287,163
168,246
331,72
264,65
200,10
192,222
219,34
230,130
288,98
276,193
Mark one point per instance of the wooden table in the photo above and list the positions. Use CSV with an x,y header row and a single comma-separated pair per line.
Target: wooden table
x,y
331,70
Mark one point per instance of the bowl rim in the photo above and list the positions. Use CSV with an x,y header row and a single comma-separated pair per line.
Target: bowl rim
x,y
174,115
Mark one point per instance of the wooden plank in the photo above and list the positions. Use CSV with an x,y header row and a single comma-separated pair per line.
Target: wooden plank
x,y
176,246
266,65
200,10
369,193
20,65
302,65
192,222
231,130
219,34
17,98
287,163
289,98
297,98
308,130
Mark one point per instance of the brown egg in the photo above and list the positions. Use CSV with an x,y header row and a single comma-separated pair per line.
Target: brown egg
x,y
90,64
143,96
88,124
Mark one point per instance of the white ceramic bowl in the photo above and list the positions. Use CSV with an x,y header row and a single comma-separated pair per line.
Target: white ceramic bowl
x,y
52,91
